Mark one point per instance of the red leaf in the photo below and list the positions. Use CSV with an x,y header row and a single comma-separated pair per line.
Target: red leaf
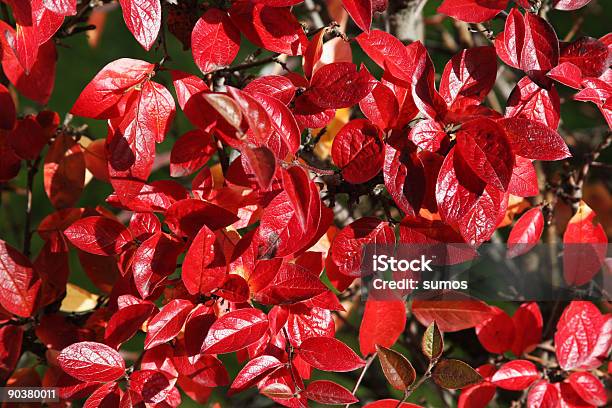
x,y
153,386
533,140
589,388
37,83
426,98
261,162
90,361
338,85
585,245
391,403
479,395
583,336
64,172
234,331
102,96
204,266
347,245
253,371
526,232
11,338
7,113
297,184
304,322
380,106
291,284
167,324
588,54
468,76
528,321
329,354
382,323
330,393
524,180
154,260
98,235
543,395
61,7
388,53
529,101
274,28
277,86
428,135
497,333
187,217
472,11
107,396
143,19
126,322
516,375
569,5
286,135
485,148
404,174
360,11
451,315
358,151
568,74
28,138
540,50
509,43
215,41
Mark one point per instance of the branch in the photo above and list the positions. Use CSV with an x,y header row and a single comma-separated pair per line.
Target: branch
x,y
362,375
27,234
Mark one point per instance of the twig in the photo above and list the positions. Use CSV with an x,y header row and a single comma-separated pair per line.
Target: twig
x,y
369,361
417,384
27,234
248,65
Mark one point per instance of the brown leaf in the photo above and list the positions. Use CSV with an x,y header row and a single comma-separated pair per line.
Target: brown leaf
x,y
455,374
432,344
397,369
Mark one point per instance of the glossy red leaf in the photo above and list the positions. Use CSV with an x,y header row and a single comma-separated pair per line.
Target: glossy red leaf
x,y
382,323
568,5
479,395
391,403
388,53
234,331
583,336
516,375
451,315
585,245
468,76
360,11
215,41
287,134
540,50
587,54
101,97
154,260
28,138
152,385
204,266
61,7
429,102
329,354
484,147
534,140
427,135
190,152
472,11
329,393
291,284
524,180
260,162
186,217
496,334
273,28
296,184
589,388
167,324
543,395
143,19
107,396
90,361
404,174
347,245
358,151
305,322
277,86
98,235
530,101
380,106
126,322
338,85
527,320
253,371
526,232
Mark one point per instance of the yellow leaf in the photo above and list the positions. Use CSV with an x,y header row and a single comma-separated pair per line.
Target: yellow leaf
x,y
78,299
323,148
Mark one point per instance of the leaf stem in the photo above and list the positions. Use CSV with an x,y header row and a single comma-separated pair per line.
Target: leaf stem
x,y
369,361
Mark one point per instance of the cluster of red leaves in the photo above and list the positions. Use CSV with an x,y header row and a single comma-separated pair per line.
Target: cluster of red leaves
x,y
449,162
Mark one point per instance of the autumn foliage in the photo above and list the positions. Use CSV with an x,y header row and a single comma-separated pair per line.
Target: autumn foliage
x,y
226,260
